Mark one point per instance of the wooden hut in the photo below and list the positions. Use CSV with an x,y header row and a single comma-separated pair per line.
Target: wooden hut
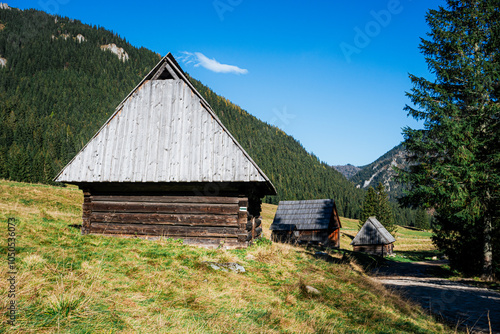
x,y
309,221
373,238
163,165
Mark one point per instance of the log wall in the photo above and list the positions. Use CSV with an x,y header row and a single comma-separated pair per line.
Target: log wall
x,y
380,250
204,220
308,236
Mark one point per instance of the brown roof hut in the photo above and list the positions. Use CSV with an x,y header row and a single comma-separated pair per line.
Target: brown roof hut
x,y
373,238
163,165
308,221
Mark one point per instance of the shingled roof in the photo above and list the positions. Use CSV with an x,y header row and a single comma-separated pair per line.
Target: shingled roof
x,y
372,233
164,131
304,215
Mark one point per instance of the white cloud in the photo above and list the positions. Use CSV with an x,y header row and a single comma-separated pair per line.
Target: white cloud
x,y
199,59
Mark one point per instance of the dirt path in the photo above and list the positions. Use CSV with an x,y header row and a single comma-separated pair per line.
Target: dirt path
x,y
457,303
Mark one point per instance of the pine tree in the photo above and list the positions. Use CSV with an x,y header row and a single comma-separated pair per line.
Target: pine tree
x,y
455,159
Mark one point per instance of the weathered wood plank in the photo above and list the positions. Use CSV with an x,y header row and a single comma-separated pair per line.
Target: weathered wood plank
x,y
168,219
168,199
164,230
180,208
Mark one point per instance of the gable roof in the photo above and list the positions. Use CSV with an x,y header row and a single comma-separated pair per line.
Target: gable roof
x,y
304,215
163,131
372,233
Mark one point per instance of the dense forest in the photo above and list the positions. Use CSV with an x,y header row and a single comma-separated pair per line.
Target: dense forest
x,y
56,90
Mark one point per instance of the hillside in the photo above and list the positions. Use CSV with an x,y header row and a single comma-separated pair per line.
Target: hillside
x,y
69,283
381,171
347,170
61,82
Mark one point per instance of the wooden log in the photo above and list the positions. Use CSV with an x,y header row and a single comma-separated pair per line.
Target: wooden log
x,y
255,234
168,219
249,224
253,227
243,202
138,207
167,199
164,230
86,211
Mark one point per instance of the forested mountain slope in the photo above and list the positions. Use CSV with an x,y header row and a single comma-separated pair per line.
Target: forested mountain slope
x,y
382,171
347,170
57,89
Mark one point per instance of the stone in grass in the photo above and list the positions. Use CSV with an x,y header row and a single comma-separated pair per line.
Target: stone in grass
x,y
226,266
312,291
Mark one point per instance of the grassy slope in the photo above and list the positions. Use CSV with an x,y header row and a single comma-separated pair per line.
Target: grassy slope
x,y
407,240
91,284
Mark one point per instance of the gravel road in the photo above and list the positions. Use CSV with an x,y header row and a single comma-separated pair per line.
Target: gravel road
x,y
474,308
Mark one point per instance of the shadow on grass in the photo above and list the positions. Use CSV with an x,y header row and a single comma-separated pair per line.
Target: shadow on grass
x,y
367,261
412,256
347,235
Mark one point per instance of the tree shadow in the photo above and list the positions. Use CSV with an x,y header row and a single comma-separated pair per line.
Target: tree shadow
x,y
427,255
367,262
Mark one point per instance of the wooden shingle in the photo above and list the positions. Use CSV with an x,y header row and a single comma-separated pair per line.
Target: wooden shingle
x,y
373,233
307,220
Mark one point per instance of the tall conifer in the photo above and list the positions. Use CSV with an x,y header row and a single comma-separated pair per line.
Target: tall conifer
x,y
376,204
455,158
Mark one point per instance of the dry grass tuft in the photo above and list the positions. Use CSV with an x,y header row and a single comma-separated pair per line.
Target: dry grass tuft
x,y
34,261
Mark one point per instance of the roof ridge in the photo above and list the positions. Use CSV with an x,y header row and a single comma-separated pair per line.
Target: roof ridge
x,y
174,66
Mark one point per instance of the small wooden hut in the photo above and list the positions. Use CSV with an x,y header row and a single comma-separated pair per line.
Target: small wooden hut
x,y
163,165
309,221
373,238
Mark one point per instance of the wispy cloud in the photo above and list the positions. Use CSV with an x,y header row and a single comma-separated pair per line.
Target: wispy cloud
x,y
199,59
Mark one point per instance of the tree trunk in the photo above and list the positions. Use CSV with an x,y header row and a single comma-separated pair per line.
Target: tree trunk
x,y
488,250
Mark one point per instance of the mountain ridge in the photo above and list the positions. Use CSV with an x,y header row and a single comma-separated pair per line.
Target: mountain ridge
x,y
347,170
382,171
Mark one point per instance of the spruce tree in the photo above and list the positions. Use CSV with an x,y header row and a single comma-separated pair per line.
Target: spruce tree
x,y
376,204
384,211
369,206
455,159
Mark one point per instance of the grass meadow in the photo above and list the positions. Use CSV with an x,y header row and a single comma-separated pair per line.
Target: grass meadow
x,y
69,283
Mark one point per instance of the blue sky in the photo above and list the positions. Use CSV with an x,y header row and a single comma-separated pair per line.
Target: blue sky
x,y
333,74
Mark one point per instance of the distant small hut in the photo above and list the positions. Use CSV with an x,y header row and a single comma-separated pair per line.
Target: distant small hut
x,y
164,165
373,238
309,221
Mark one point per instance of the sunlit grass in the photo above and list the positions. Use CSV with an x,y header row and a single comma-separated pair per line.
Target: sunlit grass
x,y
69,283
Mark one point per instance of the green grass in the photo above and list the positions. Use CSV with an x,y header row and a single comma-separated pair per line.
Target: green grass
x,y
415,256
411,245
69,283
